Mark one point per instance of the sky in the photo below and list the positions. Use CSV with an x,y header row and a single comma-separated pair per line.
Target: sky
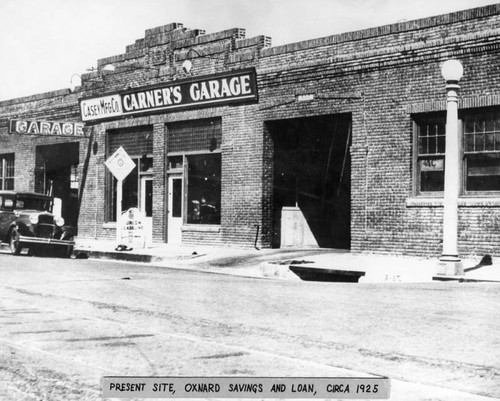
x,y
44,42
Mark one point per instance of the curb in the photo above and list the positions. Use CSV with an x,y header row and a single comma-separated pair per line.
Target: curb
x,y
463,279
290,272
121,256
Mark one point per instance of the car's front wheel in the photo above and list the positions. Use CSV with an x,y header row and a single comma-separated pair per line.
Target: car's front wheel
x,y
66,252
15,242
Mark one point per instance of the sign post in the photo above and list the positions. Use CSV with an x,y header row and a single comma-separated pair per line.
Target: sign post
x,y
119,198
120,164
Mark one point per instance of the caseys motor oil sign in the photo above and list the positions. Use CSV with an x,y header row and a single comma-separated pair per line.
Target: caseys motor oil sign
x,y
236,86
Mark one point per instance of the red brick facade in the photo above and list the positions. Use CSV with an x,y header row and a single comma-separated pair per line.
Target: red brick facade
x,y
378,79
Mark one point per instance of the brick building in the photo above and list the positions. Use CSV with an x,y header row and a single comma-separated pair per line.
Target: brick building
x,y
334,142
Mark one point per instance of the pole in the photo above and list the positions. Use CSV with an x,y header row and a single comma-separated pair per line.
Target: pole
x,y
450,263
85,172
119,192
451,177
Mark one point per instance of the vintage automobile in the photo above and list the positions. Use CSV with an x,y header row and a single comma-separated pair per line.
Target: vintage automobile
x,y
26,221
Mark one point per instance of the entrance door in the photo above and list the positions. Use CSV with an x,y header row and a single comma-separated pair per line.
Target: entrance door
x,y
146,206
174,209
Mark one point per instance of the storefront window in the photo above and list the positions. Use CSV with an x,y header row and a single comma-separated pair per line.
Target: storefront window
x,y
204,189
194,155
7,171
133,184
137,190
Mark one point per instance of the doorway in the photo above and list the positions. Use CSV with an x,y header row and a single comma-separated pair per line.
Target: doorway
x,y
56,174
146,206
312,182
175,212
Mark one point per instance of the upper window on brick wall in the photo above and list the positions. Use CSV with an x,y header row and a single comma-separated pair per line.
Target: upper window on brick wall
x,y
7,171
482,151
480,135
430,157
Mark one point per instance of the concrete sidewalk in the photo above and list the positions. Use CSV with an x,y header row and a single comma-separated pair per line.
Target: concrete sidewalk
x,y
288,264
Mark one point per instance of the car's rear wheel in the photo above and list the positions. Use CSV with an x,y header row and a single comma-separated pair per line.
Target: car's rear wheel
x,y
15,242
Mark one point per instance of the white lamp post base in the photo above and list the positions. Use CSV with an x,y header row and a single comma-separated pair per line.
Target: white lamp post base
x,y
449,266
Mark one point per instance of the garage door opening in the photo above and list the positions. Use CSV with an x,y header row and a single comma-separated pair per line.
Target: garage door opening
x,y
312,182
56,174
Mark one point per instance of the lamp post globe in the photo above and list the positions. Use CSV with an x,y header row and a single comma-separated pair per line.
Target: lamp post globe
x,y
452,70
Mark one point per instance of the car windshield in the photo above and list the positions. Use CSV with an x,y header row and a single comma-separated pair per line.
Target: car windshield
x,y
32,203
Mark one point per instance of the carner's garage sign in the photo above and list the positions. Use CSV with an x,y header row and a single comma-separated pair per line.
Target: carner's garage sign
x,y
230,87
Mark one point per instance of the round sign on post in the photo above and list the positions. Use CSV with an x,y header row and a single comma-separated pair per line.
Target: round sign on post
x,y
120,164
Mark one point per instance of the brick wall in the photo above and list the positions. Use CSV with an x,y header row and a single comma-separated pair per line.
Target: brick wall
x,y
51,106
379,76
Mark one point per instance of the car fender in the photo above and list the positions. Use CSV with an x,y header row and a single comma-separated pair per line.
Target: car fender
x,y
11,227
23,227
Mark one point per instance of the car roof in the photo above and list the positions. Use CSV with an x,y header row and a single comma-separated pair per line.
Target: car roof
x,y
26,194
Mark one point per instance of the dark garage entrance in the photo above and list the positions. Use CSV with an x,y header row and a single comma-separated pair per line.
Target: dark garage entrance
x,y
56,172
312,182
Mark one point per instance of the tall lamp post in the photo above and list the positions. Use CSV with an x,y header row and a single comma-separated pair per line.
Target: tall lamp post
x,y
450,263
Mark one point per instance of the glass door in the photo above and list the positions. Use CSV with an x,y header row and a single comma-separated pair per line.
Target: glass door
x,y
146,206
175,192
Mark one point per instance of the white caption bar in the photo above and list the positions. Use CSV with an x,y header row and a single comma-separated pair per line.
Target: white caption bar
x,y
246,387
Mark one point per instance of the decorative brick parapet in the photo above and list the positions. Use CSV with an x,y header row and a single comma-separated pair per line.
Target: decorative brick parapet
x,y
257,41
234,33
407,26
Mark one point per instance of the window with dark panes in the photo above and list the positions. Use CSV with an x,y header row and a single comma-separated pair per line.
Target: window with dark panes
x,y
7,171
482,151
431,137
204,189
138,143
194,147
131,188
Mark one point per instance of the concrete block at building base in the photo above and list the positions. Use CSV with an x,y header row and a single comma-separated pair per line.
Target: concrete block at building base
x,y
277,271
449,267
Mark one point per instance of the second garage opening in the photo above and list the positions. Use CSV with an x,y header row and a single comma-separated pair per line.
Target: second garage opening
x,y
312,181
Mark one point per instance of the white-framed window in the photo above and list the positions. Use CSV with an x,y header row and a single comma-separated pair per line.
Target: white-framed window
x,y
479,131
482,152
430,149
